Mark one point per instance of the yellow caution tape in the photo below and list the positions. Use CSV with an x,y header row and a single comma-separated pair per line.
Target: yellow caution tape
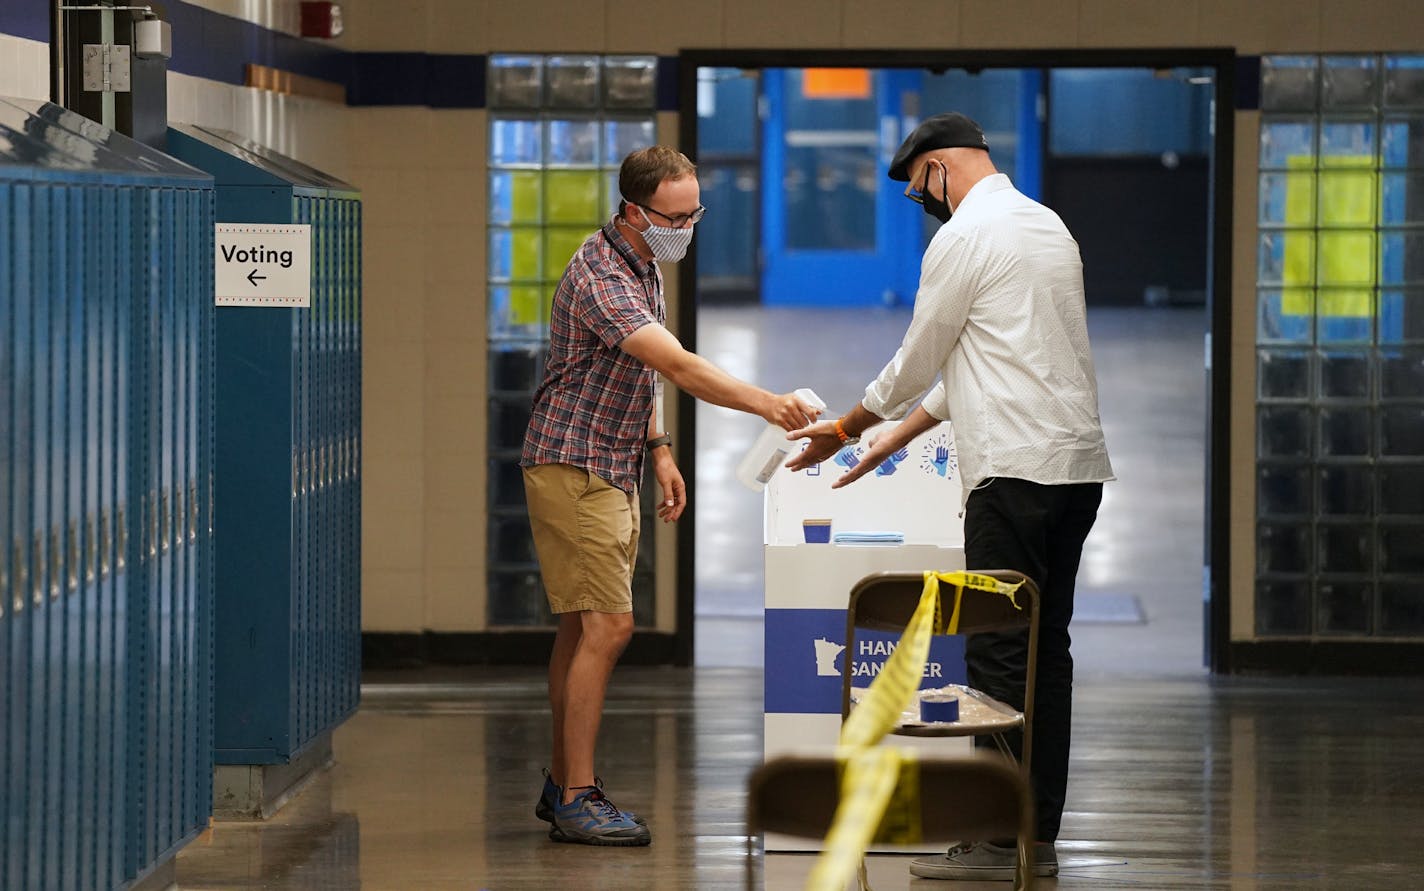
x,y
879,786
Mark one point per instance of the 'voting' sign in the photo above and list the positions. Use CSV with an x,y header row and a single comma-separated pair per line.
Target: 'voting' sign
x,y
263,264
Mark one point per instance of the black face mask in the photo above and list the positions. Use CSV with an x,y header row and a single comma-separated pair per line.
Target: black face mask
x,y
935,207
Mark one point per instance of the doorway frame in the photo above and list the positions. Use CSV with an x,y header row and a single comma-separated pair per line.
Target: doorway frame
x,y
1223,62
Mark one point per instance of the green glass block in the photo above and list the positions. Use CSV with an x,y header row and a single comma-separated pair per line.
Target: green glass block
x,y
572,197
524,254
559,247
1346,257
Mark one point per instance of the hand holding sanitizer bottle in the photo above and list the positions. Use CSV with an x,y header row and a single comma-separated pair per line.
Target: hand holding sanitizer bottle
x,y
771,450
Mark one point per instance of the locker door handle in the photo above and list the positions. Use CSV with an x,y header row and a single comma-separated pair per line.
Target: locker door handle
x,y
22,575
193,510
104,542
72,555
151,506
121,558
164,518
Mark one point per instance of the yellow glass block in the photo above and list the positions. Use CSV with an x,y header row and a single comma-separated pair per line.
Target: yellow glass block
x,y
1349,302
1346,258
572,197
526,304
524,250
525,197
1348,198
559,247
1299,268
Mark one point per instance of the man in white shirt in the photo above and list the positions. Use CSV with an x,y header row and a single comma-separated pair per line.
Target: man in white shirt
x,y
999,319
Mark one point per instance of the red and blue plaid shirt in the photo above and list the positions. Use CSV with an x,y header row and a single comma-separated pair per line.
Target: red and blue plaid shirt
x,y
593,407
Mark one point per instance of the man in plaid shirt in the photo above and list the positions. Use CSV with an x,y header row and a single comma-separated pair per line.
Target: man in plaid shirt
x,y
593,421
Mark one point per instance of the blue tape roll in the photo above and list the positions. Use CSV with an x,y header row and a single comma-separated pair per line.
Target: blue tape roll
x,y
939,710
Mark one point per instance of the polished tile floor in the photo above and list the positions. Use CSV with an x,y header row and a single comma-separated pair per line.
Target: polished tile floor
x,y
1177,780
1176,783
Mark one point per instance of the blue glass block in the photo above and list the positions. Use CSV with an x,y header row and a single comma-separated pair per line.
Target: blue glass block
x,y
621,137
1402,373
1346,315
1401,608
1404,81
1285,316
1401,257
508,420
1287,198
506,482
1287,144
1283,490
1289,83
515,197
514,254
1401,489
1346,489
516,81
1401,548
572,82
1283,374
1283,547
1402,199
517,599
516,312
630,82
1286,258
1344,548
1344,606
573,143
517,369
1282,606
1402,138
510,541
1344,375
1401,316
1349,140
1346,432
1283,431
1402,431
1350,82
516,141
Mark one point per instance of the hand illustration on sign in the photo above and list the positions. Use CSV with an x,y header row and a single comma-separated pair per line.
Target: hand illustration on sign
x,y
939,457
892,463
847,458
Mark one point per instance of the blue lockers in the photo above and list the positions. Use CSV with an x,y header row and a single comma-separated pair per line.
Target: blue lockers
x,y
288,639
106,445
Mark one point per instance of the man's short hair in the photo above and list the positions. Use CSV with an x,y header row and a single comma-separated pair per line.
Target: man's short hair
x,y
646,169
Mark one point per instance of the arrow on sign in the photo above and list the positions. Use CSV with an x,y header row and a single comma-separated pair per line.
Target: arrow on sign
x,y
253,277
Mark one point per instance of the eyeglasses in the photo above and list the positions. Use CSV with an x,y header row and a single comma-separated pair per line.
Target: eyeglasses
x,y
919,197
677,221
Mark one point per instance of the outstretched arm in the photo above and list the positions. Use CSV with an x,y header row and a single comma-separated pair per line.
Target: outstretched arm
x,y
917,422
656,348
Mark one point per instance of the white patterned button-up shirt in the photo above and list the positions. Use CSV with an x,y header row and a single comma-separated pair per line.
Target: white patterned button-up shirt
x,y
1000,319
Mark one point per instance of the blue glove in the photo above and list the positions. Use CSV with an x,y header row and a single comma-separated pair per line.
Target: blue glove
x,y
941,460
892,463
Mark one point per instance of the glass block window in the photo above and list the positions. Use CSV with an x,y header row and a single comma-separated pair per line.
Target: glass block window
x,y
1340,347
559,126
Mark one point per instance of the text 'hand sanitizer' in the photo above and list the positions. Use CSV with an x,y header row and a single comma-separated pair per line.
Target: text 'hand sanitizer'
x,y
771,450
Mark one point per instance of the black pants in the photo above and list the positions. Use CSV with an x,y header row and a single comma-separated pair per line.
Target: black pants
x,y
1037,530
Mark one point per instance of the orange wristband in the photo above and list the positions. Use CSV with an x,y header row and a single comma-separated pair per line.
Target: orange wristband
x,y
841,431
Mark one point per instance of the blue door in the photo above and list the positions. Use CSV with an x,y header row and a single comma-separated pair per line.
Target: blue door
x,y
836,231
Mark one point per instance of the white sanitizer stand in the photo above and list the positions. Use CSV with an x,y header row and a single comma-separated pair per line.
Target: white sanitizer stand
x,y
808,587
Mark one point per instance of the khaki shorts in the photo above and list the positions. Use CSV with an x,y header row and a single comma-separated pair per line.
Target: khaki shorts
x,y
586,536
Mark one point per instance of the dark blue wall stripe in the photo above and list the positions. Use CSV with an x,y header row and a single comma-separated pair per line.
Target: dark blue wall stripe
x,y
667,83
25,18
436,81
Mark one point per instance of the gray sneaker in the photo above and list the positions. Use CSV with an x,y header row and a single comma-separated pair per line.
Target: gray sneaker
x,y
984,862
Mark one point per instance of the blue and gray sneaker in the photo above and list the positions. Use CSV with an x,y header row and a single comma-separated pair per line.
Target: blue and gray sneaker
x,y
591,819
549,799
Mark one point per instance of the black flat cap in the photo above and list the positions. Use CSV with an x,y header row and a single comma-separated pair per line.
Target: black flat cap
x,y
952,130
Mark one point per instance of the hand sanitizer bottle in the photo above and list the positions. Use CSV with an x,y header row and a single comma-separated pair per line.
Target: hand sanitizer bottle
x,y
771,450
